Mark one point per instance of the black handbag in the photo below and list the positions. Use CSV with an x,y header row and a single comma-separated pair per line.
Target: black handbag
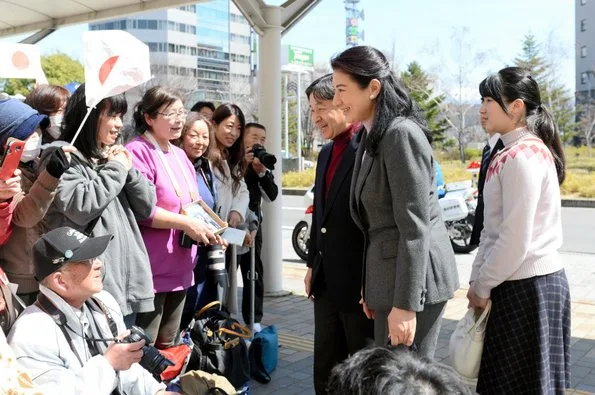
x,y
219,345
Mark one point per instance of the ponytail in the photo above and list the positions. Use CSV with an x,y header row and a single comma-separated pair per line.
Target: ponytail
x,y
543,124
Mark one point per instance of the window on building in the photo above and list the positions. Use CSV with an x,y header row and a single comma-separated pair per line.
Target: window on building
x,y
152,47
142,23
584,51
583,25
584,78
171,48
152,24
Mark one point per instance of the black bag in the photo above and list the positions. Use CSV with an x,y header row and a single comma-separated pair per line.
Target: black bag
x,y
219,345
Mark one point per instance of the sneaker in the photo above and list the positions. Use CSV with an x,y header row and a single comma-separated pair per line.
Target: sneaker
x,y
257,328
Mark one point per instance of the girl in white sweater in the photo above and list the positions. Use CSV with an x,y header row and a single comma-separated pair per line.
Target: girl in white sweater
x,y
527,345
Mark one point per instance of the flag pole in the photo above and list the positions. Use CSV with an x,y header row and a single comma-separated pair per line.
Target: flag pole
x,y
82,124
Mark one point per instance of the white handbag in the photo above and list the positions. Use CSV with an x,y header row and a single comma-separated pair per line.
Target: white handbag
x,y
466,342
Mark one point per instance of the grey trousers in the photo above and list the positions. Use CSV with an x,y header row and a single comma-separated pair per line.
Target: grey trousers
x,y
426,332
163,323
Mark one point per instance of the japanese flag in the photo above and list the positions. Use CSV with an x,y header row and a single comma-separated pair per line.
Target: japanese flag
x,y
115,61
21,61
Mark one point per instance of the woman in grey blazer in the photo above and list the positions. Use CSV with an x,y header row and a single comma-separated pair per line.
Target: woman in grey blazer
x,y
409,266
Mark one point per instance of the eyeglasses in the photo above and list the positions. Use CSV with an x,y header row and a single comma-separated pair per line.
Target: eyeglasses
x,y
174,114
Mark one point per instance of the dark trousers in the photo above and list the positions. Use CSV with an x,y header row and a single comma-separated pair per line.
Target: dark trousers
x,y
202,292
426,332
163,323
337,335
244,263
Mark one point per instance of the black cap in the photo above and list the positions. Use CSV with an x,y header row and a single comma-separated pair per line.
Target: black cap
x,y
60,246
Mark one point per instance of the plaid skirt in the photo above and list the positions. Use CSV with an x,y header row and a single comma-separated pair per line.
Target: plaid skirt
x,y
527,343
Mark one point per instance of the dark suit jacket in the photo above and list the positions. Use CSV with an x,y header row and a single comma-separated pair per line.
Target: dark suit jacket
x,y
335,253
478,223
409,260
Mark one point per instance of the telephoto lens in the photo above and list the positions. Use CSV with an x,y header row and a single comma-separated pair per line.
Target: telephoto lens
x,y
153,361
216,272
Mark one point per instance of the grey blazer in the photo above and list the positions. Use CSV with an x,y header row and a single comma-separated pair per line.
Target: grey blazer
x,y
408,258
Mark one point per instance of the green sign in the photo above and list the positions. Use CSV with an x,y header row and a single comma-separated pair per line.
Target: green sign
x,y
299,56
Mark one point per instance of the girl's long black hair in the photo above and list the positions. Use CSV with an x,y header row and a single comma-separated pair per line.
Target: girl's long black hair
x,y
513,83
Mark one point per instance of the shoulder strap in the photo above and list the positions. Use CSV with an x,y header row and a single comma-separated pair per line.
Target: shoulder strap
x,y
49,308
110,320
168,169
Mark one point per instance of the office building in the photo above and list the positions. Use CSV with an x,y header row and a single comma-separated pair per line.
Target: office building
x,y
585,49
202,49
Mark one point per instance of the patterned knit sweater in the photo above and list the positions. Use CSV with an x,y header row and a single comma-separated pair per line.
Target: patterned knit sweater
x,y
523,229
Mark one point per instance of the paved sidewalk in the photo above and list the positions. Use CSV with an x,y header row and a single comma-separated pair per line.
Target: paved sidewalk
x,y
293,315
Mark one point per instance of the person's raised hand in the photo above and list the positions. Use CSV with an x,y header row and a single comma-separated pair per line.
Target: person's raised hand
x,y
258,167
10,187
58,163
122,156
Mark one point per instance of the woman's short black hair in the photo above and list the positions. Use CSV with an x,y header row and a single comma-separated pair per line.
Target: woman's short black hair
x,y
364,64
201,104
76,109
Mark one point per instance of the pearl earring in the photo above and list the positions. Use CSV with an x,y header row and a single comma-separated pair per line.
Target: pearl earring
x,y
372,97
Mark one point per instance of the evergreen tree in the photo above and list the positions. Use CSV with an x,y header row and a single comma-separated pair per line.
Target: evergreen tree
x,y
553,93
420,86
60,69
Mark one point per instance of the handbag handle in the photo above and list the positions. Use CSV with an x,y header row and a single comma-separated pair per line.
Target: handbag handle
x,y
244,331
206,307
483,317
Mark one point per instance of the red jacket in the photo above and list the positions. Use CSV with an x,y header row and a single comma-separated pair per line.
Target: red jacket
x,y
5,218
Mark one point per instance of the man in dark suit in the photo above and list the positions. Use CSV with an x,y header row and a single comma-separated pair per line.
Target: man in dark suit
x,y
491,148
335,253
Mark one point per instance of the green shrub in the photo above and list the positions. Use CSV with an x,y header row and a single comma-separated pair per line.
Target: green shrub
x,y
299,179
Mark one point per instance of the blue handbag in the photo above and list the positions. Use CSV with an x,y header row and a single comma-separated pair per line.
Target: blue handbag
x,y
264,354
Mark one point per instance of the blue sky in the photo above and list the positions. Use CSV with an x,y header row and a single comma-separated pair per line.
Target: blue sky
x,y
423,31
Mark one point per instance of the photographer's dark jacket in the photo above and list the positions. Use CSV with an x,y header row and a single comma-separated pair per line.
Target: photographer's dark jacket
x,y
259,188
42,349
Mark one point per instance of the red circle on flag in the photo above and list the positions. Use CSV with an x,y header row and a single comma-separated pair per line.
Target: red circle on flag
x,y
106,68
20,60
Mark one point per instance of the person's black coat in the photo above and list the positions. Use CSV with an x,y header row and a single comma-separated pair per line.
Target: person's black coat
x,y
256,186
336,248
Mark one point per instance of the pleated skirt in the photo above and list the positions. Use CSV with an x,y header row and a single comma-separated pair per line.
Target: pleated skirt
x,y
527,343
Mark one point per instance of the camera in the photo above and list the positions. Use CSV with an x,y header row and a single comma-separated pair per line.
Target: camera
x,y
153,361
186,241
268,160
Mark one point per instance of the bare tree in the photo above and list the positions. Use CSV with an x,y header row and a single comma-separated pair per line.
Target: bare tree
x,y
244,93
587,123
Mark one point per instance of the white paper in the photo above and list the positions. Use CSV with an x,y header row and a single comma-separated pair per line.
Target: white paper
x,y
234,236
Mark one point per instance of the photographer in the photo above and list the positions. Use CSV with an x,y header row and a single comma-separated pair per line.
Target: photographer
x,y
66,339
261,185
